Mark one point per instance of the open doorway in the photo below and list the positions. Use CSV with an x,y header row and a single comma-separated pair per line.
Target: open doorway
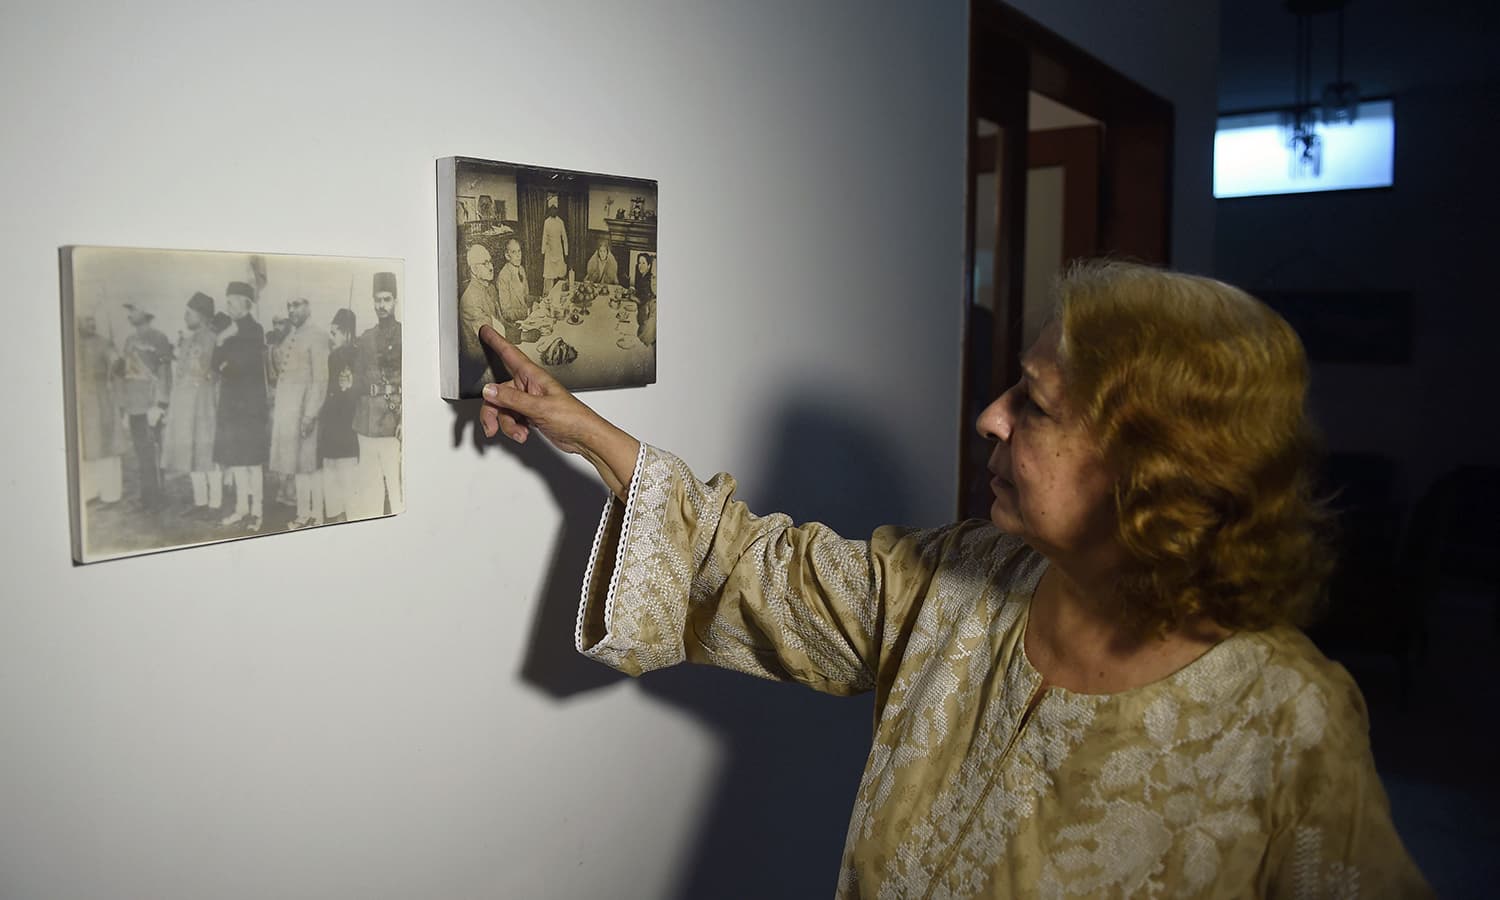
x,y
1067,159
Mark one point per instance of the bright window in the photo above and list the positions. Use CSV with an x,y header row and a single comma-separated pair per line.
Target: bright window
x,y
1251,156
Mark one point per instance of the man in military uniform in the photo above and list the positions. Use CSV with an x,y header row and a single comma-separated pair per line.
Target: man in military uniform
x,y
100,437
145,388
377,408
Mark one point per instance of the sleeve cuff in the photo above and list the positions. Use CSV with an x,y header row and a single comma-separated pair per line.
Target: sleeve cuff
x,y
631,612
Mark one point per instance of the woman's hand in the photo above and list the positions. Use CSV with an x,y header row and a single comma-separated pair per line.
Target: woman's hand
x,y
534,399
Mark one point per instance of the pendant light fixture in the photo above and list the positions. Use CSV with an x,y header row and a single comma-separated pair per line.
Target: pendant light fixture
x,y
1340,98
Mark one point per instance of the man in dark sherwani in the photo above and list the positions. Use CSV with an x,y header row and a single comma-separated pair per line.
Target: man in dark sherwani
x,y
242,436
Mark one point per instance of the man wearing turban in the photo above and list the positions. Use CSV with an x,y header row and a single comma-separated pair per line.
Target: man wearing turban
x,y
554,246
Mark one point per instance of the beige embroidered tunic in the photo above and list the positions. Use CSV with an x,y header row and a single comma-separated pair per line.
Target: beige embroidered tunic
x,y
1247,773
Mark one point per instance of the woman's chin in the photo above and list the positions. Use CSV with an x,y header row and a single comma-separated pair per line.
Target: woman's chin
x,y
1003,515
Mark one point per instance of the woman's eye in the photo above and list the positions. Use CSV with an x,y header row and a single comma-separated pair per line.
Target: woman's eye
x,y
1031,406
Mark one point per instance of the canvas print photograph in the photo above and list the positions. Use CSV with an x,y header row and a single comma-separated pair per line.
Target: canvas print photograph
x,y
215,396
562,263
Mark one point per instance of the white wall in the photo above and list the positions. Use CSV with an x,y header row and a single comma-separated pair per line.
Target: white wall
x,y
392,708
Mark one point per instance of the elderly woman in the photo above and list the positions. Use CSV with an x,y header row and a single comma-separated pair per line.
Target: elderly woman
x,y
1099,692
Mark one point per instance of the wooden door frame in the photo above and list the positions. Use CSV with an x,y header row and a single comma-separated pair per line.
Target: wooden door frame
x,y
1076,150
1079,153
1010,55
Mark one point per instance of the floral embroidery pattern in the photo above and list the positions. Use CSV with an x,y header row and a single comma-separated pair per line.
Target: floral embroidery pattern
x,y
1224,779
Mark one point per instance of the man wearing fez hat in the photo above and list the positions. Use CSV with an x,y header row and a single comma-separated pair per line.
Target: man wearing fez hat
x,y
145,391
377,407
242,428
554,246
188,441
301,387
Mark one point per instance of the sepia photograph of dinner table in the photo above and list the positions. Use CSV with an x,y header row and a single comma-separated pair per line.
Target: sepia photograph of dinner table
x,y
602,324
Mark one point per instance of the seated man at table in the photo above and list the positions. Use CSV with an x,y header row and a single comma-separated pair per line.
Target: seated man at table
x,y
479,306
602,266
515,302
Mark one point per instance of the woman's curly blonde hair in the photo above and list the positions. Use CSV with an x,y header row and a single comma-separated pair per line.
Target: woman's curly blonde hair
x,y
1195,393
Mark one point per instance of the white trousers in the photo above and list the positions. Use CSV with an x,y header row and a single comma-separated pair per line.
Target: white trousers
x,y
208,488
309,496
249,484
339,479
378,478
101,478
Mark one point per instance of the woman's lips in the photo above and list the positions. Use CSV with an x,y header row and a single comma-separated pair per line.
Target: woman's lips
x,y
998,484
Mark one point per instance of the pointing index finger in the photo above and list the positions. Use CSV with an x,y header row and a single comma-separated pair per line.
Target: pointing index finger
x,y
510,354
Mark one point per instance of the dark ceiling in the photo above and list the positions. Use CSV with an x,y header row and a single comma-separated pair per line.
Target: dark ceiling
x,y
1389,46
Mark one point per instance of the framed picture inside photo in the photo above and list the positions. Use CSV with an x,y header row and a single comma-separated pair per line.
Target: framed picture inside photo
x,y
560,262
214,395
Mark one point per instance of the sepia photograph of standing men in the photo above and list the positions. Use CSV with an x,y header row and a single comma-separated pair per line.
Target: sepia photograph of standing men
x,y
215,395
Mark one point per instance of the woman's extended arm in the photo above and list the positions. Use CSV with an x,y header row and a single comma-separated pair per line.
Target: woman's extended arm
x,y
681,570
534,399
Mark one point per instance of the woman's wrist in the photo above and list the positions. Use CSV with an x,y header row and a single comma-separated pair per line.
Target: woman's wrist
x,y
613,454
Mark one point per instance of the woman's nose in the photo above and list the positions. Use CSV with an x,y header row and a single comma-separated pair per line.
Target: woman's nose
x,y
994,423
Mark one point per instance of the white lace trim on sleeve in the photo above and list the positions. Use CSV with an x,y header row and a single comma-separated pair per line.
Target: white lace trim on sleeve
x,y
614,577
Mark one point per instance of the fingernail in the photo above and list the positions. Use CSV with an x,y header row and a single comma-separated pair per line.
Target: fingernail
x,y
490,391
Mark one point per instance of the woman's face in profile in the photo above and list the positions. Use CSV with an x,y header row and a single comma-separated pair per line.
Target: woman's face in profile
x,y
1050,482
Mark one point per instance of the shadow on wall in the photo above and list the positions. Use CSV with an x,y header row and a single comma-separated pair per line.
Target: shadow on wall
x,y
775,821
777,818
551,664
